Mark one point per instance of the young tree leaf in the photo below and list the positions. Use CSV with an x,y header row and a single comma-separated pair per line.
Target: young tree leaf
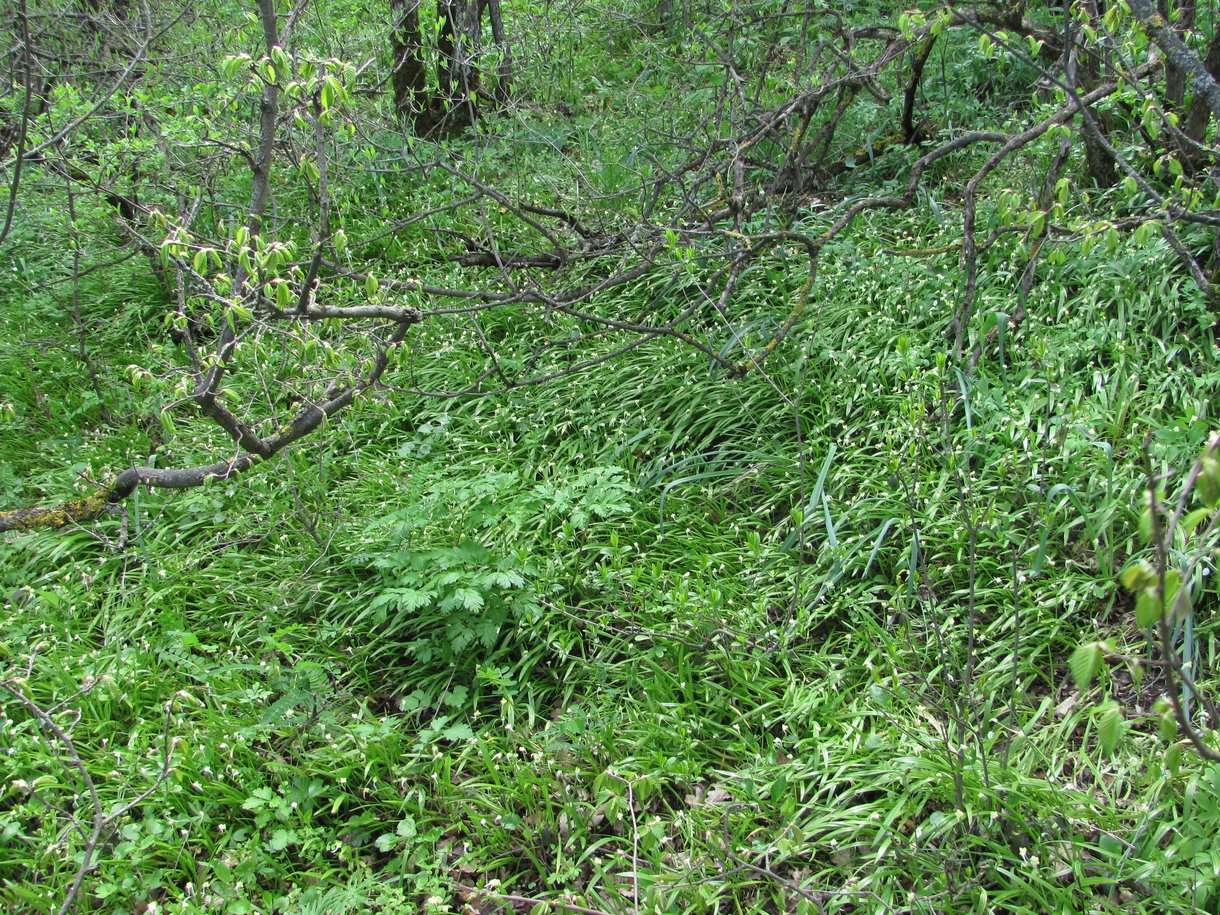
x,y
1085,663
1146,525
1138,576
1109,726
1148,608
1195,518
1173,581
1173,758
1207,487
1168,725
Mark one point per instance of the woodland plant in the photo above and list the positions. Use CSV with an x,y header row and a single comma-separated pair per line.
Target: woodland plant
x,y
681,487
1167,587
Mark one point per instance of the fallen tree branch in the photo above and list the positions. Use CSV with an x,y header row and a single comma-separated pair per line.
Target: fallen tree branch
x,y
307,419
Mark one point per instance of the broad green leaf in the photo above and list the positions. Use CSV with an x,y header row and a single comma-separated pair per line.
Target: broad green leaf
x,y
457,732
1148,607
386,842
1173,581
1085,663
258,799
1109,726
280,839
1173,758
1193,519
1139,576
1181,605
468,598
1208,484
280,59
1168,725
1146,525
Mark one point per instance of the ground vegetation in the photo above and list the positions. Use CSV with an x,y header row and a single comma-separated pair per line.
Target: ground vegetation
x,y
682,457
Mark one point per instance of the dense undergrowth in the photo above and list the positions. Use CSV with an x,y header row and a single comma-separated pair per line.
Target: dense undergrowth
x,y
646,638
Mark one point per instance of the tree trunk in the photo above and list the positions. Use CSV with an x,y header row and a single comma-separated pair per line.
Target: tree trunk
x,y
1085,60
457,48
1175,77
407,75
504,73
446,47
1177,53
1200,113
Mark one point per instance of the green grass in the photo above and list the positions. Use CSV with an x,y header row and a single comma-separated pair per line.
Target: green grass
x,y
628,644
648,638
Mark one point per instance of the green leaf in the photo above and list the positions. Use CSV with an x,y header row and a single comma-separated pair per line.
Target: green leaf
x,y
409,599
1192,520
1146,525
1148,608
386,842
1173,758
505,579
280,59
457,732
1109,726
1181,605
258,799
1173,581
281,839
1208,484
1139,576
1168,725
1085,663
468,599
232,66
